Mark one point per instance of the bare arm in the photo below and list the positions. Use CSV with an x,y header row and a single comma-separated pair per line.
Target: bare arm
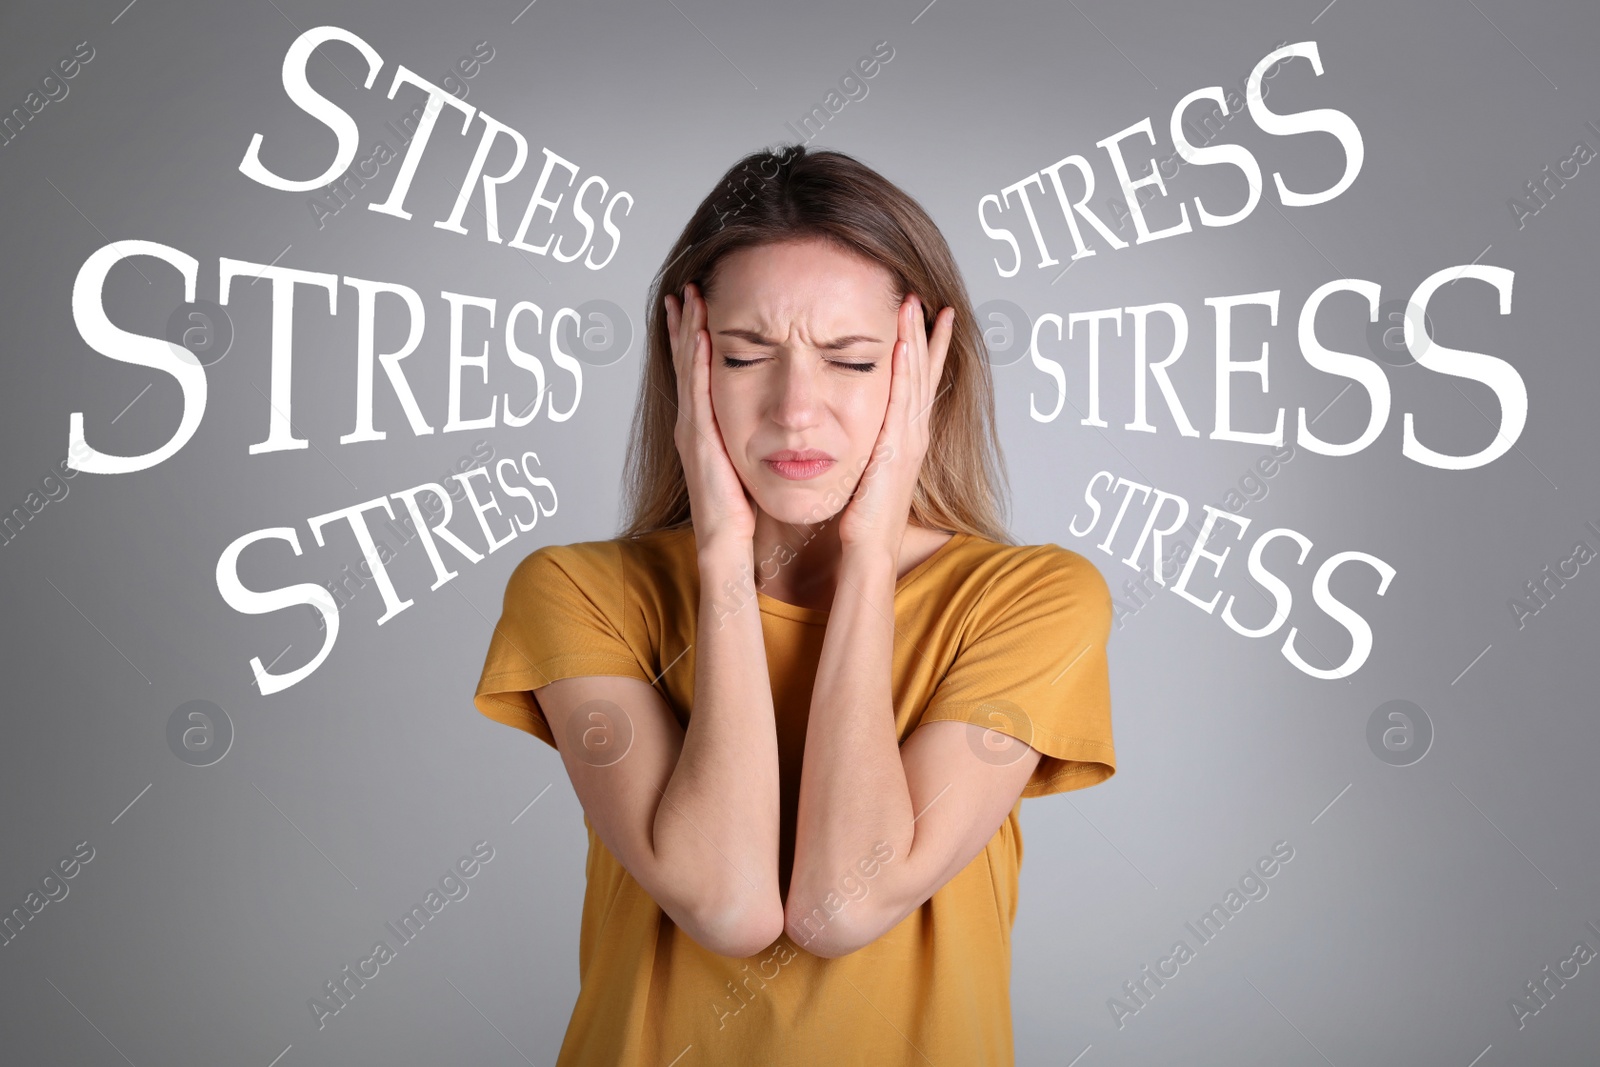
x,y
692,816
901,821
719,816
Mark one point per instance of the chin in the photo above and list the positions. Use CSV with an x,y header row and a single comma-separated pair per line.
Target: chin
x,y
802,503
802,509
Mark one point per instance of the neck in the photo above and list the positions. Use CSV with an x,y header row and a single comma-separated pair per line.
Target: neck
x,y
796,562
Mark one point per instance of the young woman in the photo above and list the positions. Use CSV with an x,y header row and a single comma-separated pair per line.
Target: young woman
x,y
802,695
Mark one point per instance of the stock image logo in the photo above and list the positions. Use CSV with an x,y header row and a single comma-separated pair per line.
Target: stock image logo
x,y
1006,739
201,331
602,333
1399,733
598,732
1006,331
1386,337
199,733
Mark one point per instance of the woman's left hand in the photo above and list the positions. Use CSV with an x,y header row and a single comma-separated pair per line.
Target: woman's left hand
x,y
877,513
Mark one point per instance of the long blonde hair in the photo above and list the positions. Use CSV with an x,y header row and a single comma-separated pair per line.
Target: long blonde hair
x,y
794,194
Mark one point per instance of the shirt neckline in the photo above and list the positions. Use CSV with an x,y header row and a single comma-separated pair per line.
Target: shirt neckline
x,y
819,616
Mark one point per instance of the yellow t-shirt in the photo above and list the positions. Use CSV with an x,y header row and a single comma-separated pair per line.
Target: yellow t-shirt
x,y
1009,637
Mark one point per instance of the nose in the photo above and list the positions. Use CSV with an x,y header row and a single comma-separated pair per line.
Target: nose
x,y
795,406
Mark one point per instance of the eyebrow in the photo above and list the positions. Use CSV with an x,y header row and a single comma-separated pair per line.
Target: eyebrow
x,y
833,346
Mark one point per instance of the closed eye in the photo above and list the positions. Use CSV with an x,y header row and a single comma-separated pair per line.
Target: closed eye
x,y
864,367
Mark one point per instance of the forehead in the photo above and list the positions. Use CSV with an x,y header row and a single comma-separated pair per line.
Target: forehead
x,y
811,279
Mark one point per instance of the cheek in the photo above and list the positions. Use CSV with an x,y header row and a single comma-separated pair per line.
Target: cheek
x,y
862,411
733,407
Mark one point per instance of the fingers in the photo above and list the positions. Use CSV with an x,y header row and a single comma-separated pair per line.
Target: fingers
x,y
681,312
944,328
686,317
914,331
702,378
694,365
674,321
919,351
925,353
908,338
699,350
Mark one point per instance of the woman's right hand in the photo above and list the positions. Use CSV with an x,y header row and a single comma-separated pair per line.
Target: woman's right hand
x,y
720,508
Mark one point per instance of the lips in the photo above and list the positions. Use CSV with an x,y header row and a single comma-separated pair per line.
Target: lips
x,y
798,465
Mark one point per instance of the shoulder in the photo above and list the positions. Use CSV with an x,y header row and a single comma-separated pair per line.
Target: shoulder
x,y
1045,583
1008,571
659,552
608,564
579,559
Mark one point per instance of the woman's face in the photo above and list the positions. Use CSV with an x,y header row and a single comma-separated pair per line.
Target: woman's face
x,y
802,335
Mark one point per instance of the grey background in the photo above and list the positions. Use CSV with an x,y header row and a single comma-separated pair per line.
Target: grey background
x,y
1420,898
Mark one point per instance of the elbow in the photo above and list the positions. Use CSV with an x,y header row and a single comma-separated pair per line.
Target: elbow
x,y
739,929
831,924
728,916
826,934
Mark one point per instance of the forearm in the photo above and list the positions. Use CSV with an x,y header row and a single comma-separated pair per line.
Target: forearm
x,y
854,801
717,823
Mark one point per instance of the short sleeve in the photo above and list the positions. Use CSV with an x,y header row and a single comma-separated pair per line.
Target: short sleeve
x,y
561,618
1033,666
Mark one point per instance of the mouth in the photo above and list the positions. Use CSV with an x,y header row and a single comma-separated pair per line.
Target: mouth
x,y
798,465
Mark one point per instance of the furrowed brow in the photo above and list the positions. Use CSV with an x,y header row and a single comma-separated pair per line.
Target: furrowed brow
x,y
832,346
